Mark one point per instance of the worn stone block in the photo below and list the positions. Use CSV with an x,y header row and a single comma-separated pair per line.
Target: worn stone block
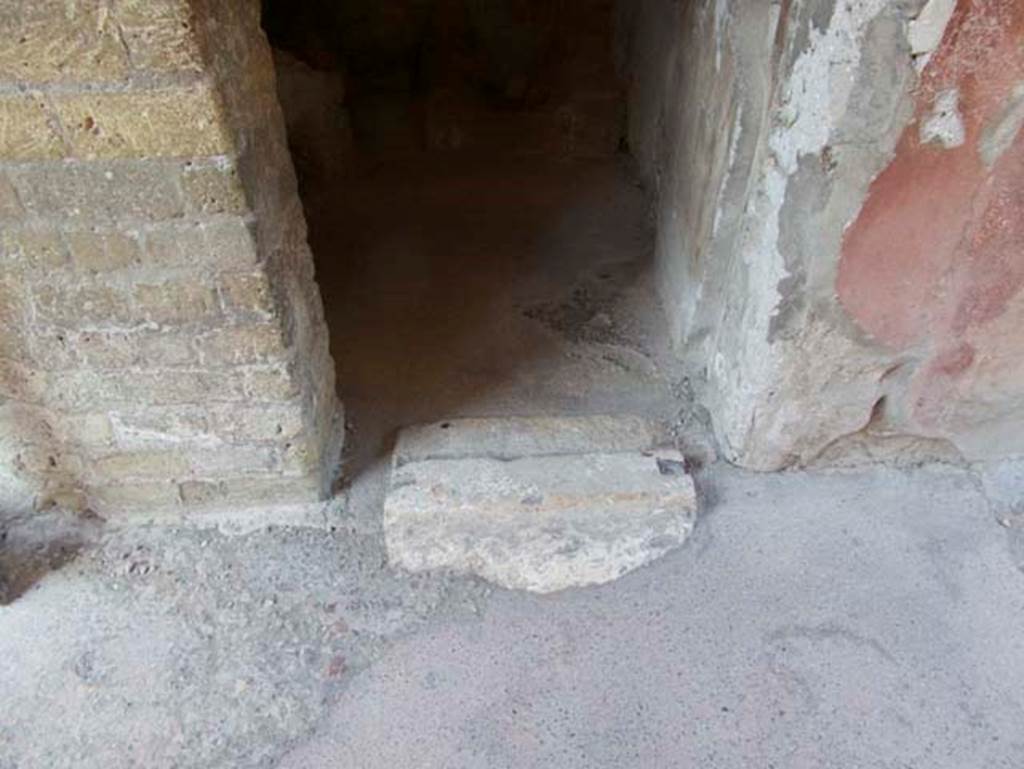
x,y
176,301
28,129
98,250
213,188
98,192
160,35
47,41
31,248
527,436
535,521
173,122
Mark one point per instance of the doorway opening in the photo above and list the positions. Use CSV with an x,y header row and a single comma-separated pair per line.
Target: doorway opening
x,y
482,241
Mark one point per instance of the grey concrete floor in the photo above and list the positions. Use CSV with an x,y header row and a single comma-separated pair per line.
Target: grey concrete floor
x,y
858,619
864,618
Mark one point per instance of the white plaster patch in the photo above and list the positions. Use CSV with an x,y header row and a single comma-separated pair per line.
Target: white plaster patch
x,y
818,91
944,124
730,166
925,32
815,100
721,12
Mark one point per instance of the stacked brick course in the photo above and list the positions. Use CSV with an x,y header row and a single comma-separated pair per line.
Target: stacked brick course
x,y
163,345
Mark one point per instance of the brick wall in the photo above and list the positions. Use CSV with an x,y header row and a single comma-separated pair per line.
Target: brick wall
x,y
163,344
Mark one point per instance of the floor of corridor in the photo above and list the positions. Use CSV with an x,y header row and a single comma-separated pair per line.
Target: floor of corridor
x,y
457,285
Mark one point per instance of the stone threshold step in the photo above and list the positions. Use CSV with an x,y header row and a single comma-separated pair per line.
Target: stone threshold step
x,y
536,503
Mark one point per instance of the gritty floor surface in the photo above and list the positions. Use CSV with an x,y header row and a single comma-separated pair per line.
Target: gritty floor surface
x,y
870,618
865,618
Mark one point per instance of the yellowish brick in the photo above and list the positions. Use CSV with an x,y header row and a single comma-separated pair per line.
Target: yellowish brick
x,y
31,248
53,350
73,306
19,382
241,344
299,457
98,191
231,461
271,383
231,243
247,295
173,122
167,424
60,41
262,422
160,34
176,301
10,206
139,465
14,345
88,430
242,492
166,349
97,250
28,130
212,189
114,499
12,304
175,245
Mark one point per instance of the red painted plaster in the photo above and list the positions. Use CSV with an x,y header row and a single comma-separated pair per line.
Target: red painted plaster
x,y
936,254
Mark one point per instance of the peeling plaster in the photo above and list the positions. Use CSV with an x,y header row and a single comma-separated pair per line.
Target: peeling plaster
x,y
721,13
944,124
925,32
815,99
818,90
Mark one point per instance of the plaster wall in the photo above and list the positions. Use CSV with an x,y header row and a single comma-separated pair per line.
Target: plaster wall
x,y
800,154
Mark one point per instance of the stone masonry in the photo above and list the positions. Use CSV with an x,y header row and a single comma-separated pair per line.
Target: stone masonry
x,y
163,348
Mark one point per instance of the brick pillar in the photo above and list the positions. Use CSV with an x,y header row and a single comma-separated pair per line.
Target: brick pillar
x,y
163,346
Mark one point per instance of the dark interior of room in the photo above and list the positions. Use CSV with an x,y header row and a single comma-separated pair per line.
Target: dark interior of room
x,y
480,237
